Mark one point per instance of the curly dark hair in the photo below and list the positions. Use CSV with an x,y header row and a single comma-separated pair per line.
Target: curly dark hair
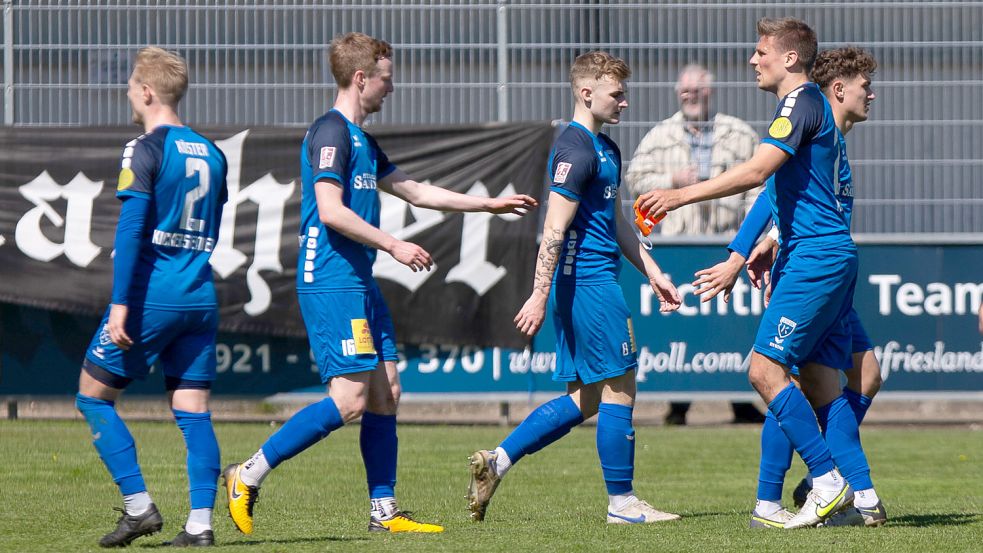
x,y
842,63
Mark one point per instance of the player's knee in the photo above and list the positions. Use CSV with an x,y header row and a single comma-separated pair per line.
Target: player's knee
x,y
351,408
871,382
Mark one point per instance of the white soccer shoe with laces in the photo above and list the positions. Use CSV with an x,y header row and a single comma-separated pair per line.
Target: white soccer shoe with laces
x,y
639,512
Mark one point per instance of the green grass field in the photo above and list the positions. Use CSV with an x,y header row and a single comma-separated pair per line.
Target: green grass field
x,y
55,494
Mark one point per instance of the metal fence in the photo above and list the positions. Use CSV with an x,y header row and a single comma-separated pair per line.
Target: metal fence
x,y
916,162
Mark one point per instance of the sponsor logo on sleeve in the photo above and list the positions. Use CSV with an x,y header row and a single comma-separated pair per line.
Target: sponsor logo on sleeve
x,y
126,178
327,157
562,170
780,128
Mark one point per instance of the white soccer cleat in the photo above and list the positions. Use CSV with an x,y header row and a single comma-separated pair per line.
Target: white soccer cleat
x,y
846,517
774,520
821,505
639,512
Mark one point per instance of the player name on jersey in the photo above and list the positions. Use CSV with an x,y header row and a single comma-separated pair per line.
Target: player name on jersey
x,y
184,241
191,148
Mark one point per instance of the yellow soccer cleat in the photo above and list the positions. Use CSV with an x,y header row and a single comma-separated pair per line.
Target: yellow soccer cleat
x,y
241,498
401,522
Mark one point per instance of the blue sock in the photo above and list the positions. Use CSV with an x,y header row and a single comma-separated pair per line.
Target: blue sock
x,y
797,419
113,442
843,439
380,448
776,458
307,427
858,402
616,447
203,457
546,424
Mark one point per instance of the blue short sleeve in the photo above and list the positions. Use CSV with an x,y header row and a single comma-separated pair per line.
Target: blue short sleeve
x,y
140,165
384,167
572,170
329,147
798,119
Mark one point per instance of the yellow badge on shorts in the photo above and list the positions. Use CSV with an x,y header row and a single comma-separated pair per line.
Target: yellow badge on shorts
x,y
363,336
631,336
126,177
780,128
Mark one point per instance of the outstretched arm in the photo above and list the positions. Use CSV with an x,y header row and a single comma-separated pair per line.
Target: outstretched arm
x,y
723,276
753,172
426,195
559,214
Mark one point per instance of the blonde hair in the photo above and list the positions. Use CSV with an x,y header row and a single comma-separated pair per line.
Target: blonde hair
x,y
595,66
353,52
791,35
165,72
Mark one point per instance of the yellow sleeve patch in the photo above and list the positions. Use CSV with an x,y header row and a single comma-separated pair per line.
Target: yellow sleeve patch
x,y
126,178
363,336
780,128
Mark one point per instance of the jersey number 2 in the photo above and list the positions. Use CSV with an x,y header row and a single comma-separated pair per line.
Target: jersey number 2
x,y
195,165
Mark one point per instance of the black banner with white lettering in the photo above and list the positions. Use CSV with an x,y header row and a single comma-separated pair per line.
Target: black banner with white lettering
x,y
58,216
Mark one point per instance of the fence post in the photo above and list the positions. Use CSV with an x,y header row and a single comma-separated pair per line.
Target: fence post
x,y
503,62
8,62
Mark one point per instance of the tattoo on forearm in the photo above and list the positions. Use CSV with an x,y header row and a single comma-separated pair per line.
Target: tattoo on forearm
x,y
549,254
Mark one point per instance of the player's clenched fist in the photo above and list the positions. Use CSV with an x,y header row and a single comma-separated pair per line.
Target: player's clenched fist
x,y
411,255
116,326
531,316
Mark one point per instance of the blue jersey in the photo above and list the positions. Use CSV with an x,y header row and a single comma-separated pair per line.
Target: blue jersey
x,y
587,168
759,216
844,179
335,148
183,175
803,192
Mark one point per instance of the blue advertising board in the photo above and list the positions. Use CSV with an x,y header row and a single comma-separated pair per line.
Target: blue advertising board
x,y
918,304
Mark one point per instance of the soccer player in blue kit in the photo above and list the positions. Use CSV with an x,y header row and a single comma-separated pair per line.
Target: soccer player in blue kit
x,y
585,234
815,275
172,185
348,324
844,76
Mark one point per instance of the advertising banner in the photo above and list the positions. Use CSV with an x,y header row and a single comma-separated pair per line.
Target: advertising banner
x,y
917,303
58,217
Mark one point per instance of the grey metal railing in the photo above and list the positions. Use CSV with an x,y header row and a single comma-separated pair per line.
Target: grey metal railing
x,y
916,162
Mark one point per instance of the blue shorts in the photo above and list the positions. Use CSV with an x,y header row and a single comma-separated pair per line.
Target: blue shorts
x,y
183,341
349,331
594,336
807,319
860,341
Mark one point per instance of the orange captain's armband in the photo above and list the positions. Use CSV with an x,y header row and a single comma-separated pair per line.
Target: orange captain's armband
x,y
644,223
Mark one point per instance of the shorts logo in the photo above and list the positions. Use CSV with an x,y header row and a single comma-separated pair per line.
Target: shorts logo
x,y
780,128
327,157
104,339
631,337
562,170
786,327
362,335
